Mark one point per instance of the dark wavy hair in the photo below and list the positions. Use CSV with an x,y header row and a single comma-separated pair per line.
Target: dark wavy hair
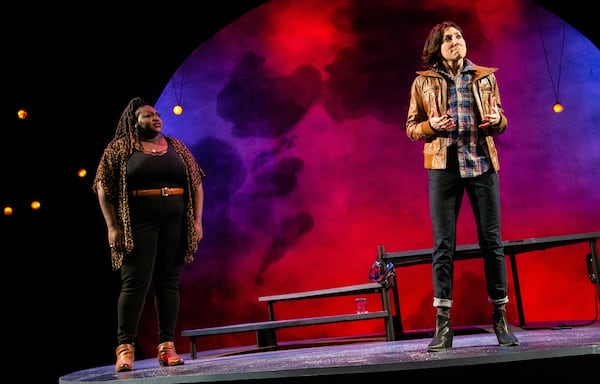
x,y
127,125
432,55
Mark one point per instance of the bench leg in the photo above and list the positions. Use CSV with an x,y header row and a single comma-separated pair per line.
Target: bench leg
x,y
595,264
266,338
397,315
388,321
193,353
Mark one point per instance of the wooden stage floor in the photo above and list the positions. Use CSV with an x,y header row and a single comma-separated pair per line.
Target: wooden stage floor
x,y
544,352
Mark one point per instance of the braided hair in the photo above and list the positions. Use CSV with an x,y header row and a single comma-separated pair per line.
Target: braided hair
x,y
127,125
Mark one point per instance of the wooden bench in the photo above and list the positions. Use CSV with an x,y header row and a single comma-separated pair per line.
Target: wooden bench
x,y
511,248
382,289
266,330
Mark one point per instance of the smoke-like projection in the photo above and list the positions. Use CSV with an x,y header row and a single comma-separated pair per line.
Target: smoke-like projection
x,y
296,112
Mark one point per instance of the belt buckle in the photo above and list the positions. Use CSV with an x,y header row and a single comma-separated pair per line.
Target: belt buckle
x,y
164,191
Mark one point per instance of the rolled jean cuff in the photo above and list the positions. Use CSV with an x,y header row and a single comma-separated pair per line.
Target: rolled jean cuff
x,y
437,302
501,301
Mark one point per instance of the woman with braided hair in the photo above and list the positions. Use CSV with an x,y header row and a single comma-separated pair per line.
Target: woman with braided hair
x,y
150,192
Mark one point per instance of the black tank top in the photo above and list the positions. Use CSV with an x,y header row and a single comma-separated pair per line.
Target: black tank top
x,y
146,171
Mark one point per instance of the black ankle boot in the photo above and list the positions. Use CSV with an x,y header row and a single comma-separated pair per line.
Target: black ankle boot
x,y
503,333
442,339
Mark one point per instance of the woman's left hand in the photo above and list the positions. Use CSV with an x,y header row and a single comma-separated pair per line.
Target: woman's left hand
x,y
492,118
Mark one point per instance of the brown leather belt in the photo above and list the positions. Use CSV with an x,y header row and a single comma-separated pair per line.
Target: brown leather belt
x,y
166,191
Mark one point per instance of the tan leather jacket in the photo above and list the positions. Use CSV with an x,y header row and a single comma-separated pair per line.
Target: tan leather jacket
x,y
429,91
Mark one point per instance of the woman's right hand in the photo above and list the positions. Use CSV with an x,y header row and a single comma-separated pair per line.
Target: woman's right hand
x,y
441,123
116,240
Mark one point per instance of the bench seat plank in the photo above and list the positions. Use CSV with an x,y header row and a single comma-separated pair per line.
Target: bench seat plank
x,y
276,324
265,330
328,292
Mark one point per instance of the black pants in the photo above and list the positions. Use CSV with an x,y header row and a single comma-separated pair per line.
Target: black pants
x,y
446,190
158,224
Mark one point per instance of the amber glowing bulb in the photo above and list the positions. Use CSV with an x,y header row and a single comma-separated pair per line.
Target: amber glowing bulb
x,y
557,107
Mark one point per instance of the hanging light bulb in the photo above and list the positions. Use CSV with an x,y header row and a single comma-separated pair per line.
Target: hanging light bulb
x,y
177,108
557,107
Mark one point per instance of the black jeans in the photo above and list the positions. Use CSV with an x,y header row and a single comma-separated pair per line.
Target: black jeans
x,y
446,190
158,224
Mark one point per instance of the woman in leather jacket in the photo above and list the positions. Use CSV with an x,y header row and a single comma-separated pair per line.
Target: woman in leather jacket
x,y
455,109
